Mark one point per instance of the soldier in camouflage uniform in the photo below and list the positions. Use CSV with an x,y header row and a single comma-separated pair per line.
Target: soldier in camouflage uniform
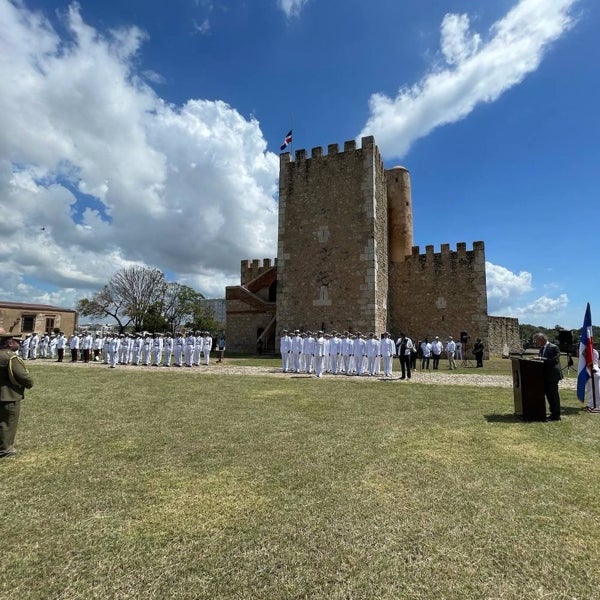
x,y
14,378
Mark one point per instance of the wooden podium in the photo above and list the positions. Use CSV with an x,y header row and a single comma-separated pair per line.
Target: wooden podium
x,y
528,389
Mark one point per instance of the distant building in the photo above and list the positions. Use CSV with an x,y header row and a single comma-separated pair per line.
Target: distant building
x,y
17,318
218,308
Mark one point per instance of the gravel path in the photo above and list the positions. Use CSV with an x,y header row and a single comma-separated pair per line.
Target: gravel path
x,y
430,377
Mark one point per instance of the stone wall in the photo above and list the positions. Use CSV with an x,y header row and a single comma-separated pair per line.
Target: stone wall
x,y
332,252
246,315
441,293
503,330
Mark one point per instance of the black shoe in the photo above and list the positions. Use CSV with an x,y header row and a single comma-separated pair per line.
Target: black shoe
x,y
553,418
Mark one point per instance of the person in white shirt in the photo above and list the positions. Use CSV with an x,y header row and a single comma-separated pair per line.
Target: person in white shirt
x,y
372,350
113,351
188,351
178,349
285,349
450,351
33,346
207,343
297,343
308,350
61,342
74,342
459,350
425,354
97,346
387,349
52,345
24,347
436,351
86,346
346,349
43,348
156,351
335,348
319,353
167,349
197,351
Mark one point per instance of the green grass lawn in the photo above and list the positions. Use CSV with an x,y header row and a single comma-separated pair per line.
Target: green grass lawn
x,y
154,484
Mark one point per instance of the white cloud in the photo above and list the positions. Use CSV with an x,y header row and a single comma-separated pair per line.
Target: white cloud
x,y
202,28
545,306
509,295
186,189
503,284
291,8
475,71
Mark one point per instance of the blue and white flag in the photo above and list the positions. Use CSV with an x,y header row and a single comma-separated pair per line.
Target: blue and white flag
x,y
586,354
287,140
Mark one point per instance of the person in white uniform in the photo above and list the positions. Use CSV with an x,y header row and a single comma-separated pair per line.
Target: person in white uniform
x,y
388,351
285,349
372,350
207,343
297,343
319,353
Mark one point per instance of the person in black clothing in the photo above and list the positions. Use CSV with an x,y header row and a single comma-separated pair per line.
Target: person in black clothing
x,y
478,352
404,347
552,373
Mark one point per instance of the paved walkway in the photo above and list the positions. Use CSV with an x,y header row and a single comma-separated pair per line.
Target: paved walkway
x,y
225,368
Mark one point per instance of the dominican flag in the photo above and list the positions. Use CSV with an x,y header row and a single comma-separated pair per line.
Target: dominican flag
x,y
287,140
586,353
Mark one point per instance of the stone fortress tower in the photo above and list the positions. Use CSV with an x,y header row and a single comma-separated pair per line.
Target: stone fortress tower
x,y
346,259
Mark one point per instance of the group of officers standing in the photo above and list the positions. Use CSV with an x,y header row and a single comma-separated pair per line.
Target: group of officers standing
x,y
358,354
138,349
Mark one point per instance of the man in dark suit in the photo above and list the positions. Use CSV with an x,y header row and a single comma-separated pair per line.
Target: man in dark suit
x,y
550,354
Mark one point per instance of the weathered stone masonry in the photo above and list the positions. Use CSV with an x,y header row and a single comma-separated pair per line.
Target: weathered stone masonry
x,y
346,259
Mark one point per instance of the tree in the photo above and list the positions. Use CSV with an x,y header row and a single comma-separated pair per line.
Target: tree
x,y
127,297
104,304
139,288
154,320
203,319
180,302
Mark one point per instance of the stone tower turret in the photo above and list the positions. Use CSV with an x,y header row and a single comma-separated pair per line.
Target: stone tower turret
x,y
399,213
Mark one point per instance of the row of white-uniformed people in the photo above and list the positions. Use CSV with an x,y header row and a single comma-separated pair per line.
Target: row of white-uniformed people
x,y
356,354
35,345
332,353
156,350
135,349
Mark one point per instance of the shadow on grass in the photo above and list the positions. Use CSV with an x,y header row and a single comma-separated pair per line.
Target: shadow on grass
x,y
514,418
506,418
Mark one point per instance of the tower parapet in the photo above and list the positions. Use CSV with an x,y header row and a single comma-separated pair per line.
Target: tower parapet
x,y
251,269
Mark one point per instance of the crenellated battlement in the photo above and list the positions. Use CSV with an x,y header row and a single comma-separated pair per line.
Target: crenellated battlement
x,y
251,269
476,255
367,143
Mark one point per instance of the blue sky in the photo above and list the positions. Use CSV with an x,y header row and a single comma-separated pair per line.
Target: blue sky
x,y
147,132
